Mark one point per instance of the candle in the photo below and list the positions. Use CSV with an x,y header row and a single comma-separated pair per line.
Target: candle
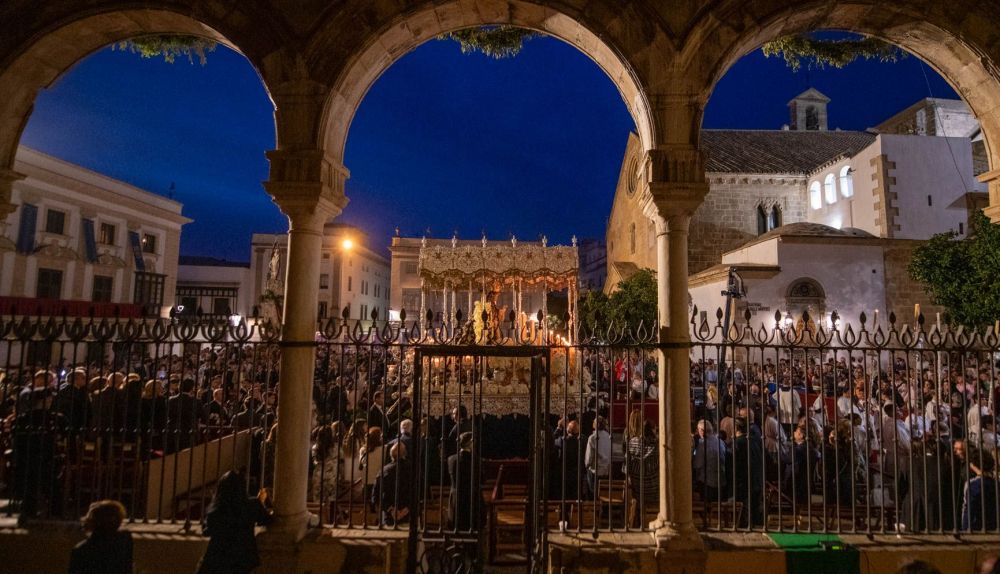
x,y
916,311
938,320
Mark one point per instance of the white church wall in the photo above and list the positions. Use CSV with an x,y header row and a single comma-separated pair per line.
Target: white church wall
x,y
939,168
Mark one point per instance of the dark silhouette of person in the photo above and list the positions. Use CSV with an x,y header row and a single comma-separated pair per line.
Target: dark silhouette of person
x,y
392,487
37,431
107,550
184,412
229,524
464,494
569,469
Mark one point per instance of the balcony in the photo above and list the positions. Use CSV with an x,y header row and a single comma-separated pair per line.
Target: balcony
x,y
69,308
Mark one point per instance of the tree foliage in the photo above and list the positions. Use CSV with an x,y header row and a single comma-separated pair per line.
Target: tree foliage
x,y
963,275
497,42
169,46
632,303
802,49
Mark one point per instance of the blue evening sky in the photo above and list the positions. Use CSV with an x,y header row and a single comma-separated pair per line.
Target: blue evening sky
x,y
443,141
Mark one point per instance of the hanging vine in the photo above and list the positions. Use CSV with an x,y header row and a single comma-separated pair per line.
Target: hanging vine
x,y
497,42
169,46
801,49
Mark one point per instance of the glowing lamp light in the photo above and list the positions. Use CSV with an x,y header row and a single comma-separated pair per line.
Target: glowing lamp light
x,y
347,244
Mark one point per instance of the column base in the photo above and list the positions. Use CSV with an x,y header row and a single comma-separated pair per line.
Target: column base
x,y
672,536
287,530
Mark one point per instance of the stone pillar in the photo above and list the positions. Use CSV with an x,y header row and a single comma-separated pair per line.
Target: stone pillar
x,y
992,180
674,189
308,189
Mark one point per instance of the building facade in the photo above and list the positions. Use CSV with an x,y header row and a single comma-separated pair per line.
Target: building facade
x,y
872,194
80,242
353,277
209,286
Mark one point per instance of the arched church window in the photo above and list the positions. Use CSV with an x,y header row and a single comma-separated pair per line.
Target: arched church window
x,y
631,238
830,188
761,220
812,118
774,219
815,195
846,181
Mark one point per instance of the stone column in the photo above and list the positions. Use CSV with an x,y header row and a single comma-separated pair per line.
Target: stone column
x,y
675,188
308,189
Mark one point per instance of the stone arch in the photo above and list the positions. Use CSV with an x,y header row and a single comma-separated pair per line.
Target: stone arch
x,y
624,42
957,39
62,40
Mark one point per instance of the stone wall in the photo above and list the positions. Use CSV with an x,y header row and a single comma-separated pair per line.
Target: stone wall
x,y
728,216
901,292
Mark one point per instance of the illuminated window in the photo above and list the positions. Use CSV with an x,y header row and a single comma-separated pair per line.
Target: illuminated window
x,y
830,188
846,182
815,195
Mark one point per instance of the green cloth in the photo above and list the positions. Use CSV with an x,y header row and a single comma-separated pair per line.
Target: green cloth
x,y
805,555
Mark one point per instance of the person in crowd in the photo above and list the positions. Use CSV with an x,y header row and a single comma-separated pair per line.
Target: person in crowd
x,y
789,405
748,474
597,457
229,525
107,549
805,458
405,437
371,460
979,498
775,443
642,466
327,461
568,464
377,416
184,413
391,494
37,432
463,494
153,414
73,401
895,460
709,461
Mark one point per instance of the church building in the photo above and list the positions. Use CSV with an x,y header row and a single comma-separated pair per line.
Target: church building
x,y
812,218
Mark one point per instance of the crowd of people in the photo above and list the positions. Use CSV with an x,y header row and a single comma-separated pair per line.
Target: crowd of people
x,y
911,437
914,434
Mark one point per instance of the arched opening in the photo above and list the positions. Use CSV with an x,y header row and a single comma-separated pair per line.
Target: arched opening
x,y
41,62
377,52
939,40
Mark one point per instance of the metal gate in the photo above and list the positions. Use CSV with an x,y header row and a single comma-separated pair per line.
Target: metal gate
x,y
476,470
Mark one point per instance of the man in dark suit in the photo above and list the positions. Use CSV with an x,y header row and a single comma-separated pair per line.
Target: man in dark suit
x,y
569,466
377,417
184,413
73,401
464,494
392,487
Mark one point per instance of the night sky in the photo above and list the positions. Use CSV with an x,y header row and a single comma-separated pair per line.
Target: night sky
x,y
443,141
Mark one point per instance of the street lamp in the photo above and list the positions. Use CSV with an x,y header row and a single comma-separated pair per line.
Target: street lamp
x,y
347,244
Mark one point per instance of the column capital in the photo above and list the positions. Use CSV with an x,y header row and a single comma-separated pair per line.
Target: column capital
x,y
674,182
306,185
7,179
992,180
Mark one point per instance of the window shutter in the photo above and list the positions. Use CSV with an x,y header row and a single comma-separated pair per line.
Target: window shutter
x,y
26,231
133,238
89,241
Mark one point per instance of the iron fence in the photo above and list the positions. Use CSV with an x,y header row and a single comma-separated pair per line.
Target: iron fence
x,y
150,412
800,426
883,427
